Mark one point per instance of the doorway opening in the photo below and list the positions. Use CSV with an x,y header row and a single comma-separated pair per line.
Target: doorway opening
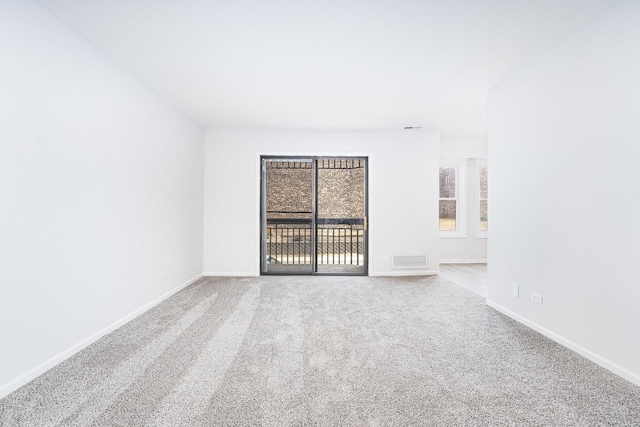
x,y
314,215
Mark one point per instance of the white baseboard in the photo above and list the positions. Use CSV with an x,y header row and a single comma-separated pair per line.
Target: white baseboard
x,y
596,358
227,274
402,273
40,369
463,261
371,273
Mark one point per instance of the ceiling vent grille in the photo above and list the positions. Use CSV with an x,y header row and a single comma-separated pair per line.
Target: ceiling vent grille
x,y
406,262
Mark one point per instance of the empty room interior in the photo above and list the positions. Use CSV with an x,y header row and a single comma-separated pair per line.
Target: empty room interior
x,y
319,213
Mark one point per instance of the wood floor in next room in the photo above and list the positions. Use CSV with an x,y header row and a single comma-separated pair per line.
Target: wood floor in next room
x,y
470,276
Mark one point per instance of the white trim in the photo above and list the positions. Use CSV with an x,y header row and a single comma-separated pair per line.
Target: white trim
x,y
43,367
594,357
463,261
402,273
460,166
229,274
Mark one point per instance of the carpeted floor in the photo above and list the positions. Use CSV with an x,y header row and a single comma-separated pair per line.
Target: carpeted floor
x,y
336,351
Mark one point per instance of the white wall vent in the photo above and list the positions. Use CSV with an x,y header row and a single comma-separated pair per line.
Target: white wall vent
x,y
406,262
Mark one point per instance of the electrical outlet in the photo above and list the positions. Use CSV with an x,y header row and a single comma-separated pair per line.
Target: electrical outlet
x,y
515,290
165,276
536,298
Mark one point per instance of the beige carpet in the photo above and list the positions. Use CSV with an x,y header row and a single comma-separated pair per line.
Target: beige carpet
x,y
334,351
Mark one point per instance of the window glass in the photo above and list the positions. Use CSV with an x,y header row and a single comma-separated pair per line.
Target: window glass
x,y
447,215
448,202
484,219
484,188
447,182
484,195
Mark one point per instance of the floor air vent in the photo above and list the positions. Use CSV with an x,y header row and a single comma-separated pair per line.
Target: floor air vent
x,y
404,262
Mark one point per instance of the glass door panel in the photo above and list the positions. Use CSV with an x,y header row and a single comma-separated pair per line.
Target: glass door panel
x,y
341,216
287,216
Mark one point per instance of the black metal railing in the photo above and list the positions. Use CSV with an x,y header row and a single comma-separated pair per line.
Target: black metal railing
x,y
339,241
288,241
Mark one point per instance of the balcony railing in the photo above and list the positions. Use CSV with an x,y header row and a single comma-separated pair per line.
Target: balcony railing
x,y
339,241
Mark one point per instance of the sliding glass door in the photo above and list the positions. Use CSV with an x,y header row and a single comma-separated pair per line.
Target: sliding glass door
x,y
314,215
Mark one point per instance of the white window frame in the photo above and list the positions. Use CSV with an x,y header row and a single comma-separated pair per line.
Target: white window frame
x,y
480,163
460,167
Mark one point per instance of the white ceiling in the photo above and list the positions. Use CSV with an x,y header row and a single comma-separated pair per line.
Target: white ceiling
x,y
327,64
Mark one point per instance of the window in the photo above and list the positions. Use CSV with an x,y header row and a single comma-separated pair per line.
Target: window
x,y
452,221
448,201
483,195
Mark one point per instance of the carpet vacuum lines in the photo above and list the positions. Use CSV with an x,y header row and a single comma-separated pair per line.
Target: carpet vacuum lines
x,y
284,372
324,351
191,397
129,370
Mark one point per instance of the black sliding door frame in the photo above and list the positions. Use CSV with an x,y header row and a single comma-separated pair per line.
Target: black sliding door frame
x,y
314,220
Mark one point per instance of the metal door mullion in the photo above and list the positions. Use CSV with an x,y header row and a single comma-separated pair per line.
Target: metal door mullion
x,y
314,216
365,250
263,217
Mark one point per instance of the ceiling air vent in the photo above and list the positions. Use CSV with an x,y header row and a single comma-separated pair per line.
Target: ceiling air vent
x,y
406,262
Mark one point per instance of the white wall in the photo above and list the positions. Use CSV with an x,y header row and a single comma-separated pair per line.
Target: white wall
x,y
101,190
470,248
403,188
475,148
564,145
